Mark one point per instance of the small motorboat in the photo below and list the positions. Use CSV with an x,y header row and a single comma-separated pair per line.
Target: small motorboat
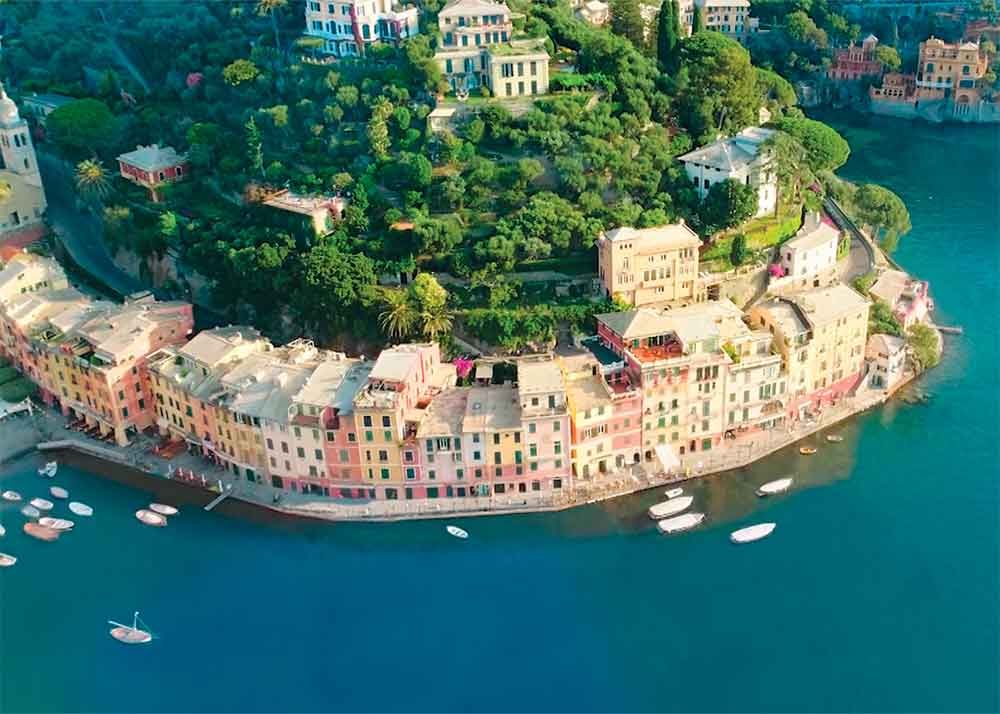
x,y
11,496
41,504
56,524
457,532
680,523
130,635
807,450
41,532
3,531
834,438
80,509
674,492
7,560
150,518
774,487
30,512
49,470
752,533
163,509
58,492
670,508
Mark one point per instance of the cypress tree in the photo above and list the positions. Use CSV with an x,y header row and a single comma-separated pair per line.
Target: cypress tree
x,y
666,35
699,20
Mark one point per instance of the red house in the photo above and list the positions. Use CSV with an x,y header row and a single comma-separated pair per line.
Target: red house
x,y
854,62
152,166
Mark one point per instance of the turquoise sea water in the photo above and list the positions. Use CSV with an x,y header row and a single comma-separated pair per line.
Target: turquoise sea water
x,y
877,592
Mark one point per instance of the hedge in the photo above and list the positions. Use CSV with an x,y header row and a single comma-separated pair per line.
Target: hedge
x,y
8,374
17,390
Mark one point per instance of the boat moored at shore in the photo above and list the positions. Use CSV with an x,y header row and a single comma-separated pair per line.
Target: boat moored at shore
x,y
774,487
752,533
680,523
11,496
669,508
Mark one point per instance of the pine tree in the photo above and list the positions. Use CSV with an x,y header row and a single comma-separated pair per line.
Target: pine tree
x,y
255,151
626,20
668,35
699,20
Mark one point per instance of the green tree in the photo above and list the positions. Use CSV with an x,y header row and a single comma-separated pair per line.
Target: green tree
x,y
698,22
728,203
789,161
81,127
92,180
254,147
883,211
775,88
626,20
720,93
239,71
378,128
925,345
826,150
889,57
398,317
271,8
738,251
336,287
427,293
668,36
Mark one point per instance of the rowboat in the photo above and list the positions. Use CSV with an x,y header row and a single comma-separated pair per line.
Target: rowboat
x,y
58,492
3,531
150,518
80,509
41,504
49,470
752,533
772,487
670,508
40,532
163,509
130,635
807,450
680,523
30,512
834,438
674,492
11,496
56,524
7,560
457,532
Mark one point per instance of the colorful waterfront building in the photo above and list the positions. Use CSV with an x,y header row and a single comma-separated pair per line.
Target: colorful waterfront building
x,y
349,27
887,356
821,335
650,266
856,62
741,158
908,298
185,379
153,166
541,390
478,49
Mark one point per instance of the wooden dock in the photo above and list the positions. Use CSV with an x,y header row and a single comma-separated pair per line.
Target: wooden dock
x,y
225,492
946,330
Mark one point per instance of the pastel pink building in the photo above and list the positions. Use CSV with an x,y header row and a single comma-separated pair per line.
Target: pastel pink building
x,y
153,166
909,299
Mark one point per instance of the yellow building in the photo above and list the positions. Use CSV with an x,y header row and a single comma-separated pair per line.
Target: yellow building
x,y
650,265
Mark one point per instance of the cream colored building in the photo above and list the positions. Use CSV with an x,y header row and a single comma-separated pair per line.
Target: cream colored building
x,y
821,335
741,158
25,202
650,265
887,357
810,258
27,273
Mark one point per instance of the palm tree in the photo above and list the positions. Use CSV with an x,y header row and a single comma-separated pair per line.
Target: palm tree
x,y
272,8
436,323
399,316
92,180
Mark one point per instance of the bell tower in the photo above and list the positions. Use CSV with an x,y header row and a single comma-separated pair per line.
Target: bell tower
x,y
15,142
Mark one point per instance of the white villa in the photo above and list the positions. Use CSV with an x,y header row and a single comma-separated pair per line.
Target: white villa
x,y
739,158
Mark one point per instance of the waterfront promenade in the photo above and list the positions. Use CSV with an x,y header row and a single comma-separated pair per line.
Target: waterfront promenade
x,y
737,453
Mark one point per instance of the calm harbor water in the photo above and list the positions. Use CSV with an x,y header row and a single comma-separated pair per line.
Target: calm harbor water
x,y
877,592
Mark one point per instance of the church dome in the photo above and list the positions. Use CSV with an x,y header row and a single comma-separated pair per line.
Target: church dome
x,y
8,109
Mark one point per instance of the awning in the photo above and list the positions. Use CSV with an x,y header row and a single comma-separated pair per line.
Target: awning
x,y
667,458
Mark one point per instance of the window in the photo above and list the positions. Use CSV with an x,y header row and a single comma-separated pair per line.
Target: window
x,y
531,428
383,455
369,436
411,473
387,422
343,456
496,457
366,420
496,438
431,475
557,447
384,473
270,444
301,452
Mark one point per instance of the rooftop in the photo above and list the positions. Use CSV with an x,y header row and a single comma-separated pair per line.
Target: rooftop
x,y
306,205
445,416
474,7
212,347
492,408
587,392
892,285
324,386
886,344
153,157
732,154
539,376
657,239
814,233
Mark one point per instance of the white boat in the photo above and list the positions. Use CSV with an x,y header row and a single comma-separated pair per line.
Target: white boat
x,y
130,635
150,518
457,532
11,496
163,509
31,512
80,509
58,492
674,492
56,524
49,470
670,508
41,504
3,531
7,560
834,438
680,523
41,532
752,533
772,487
